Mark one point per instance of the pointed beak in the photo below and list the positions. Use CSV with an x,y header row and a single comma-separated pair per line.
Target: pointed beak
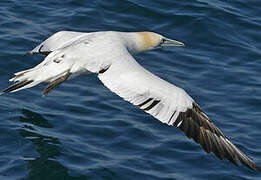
x,y
171,42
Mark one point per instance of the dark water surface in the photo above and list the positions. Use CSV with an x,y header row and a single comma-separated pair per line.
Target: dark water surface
x,y
83,131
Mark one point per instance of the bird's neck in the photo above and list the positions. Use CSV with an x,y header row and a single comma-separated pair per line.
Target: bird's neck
x,y
137,42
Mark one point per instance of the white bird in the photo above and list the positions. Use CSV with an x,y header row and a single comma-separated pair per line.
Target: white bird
x,y
109,54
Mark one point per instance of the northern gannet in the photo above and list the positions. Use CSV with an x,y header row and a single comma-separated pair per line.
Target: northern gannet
x,y
109,54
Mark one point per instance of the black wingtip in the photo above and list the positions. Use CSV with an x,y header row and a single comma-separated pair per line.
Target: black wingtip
x,y
46,53
250,164
195,124
257,168
28,53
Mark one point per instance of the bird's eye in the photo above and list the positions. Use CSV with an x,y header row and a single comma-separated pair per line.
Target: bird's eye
x,y
162,41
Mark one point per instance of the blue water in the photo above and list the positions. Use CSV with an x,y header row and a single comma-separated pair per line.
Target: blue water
x,y
83,131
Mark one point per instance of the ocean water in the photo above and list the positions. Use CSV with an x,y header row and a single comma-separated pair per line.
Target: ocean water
x,y
83,131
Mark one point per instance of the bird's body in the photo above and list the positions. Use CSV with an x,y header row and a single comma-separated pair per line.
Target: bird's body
x,y
110,55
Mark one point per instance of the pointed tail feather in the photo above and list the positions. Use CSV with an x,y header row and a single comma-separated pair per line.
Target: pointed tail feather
x,y
49,70
55,83
24,79
24,83
17,86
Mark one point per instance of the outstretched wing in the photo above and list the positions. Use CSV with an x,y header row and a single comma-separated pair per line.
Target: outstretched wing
x,y
57,41
170,105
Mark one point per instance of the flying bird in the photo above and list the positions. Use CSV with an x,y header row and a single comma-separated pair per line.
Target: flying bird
x,y
109,54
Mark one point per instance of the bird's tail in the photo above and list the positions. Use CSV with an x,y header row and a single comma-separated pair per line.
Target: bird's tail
x,y
52,70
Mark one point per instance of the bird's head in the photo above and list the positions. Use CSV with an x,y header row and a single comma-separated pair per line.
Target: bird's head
x,y
149,40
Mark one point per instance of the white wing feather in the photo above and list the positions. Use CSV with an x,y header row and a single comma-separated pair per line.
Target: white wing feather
x,y
137,85
57,41
170,105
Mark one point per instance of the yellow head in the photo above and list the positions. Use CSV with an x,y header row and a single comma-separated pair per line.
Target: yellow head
x,y
151,40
